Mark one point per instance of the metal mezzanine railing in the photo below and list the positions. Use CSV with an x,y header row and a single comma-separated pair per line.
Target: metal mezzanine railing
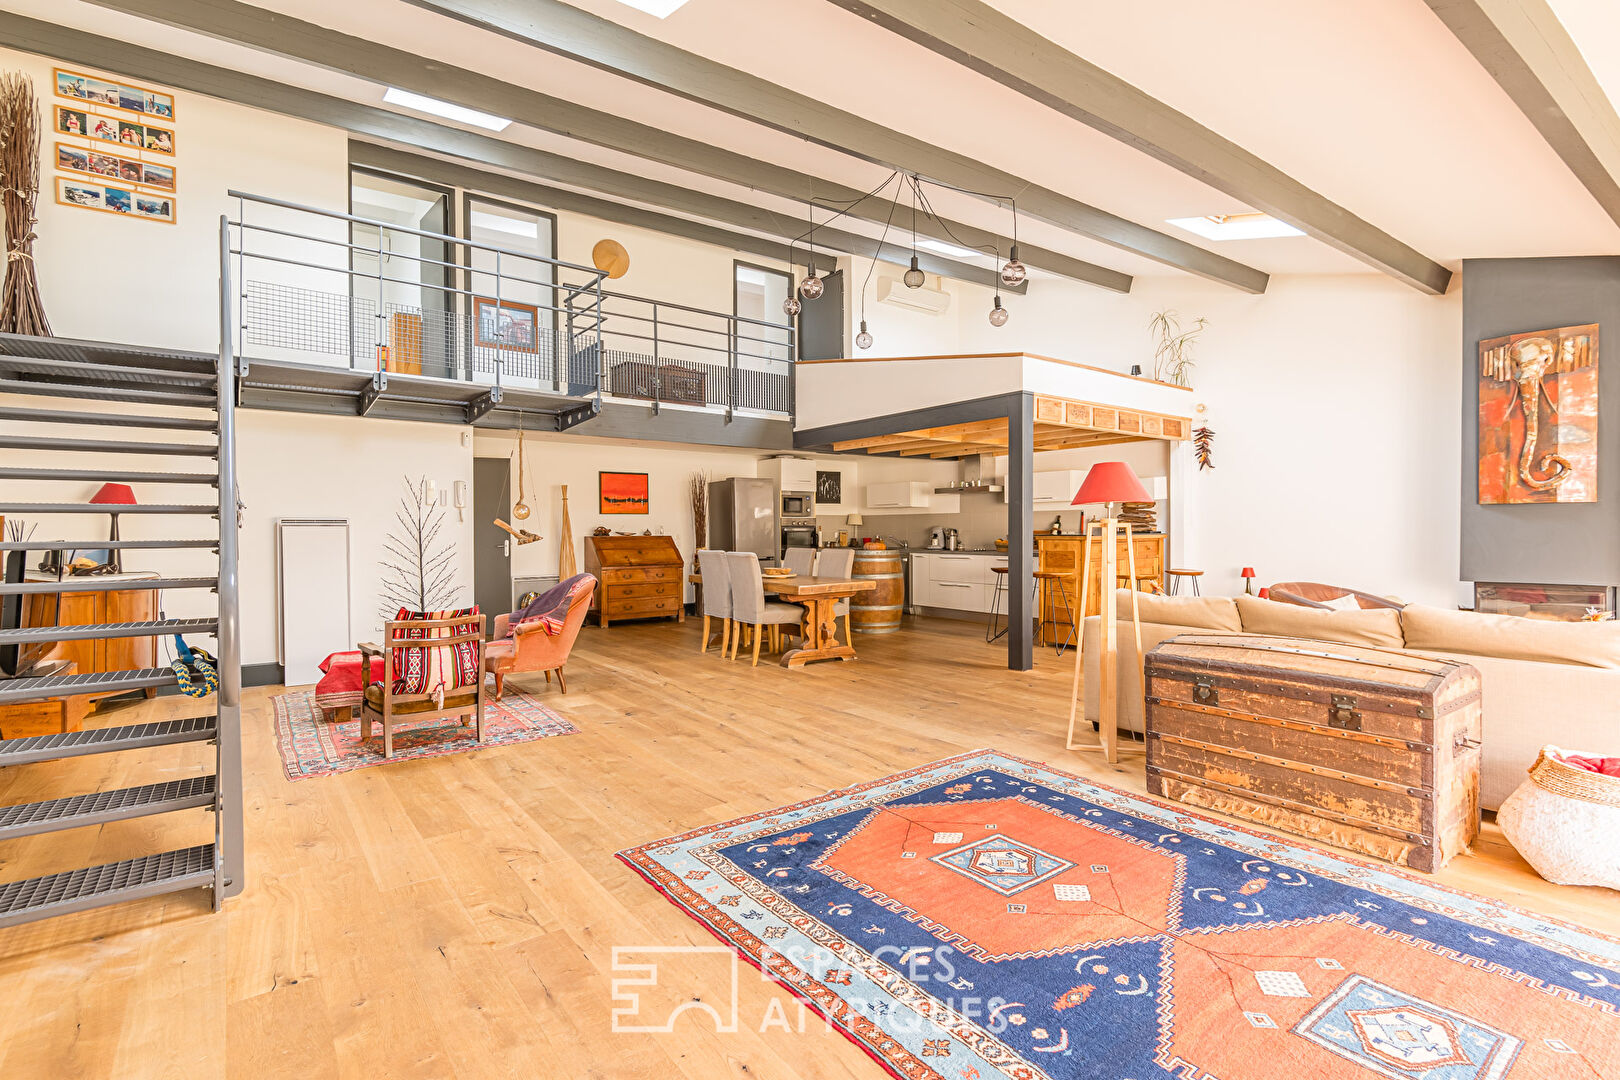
x,y
667,353
335,288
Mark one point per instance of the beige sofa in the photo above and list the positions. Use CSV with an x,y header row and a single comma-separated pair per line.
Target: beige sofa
x,y
1543,682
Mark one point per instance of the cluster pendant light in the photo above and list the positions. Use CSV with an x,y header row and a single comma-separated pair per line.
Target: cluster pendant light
x,y
1011,274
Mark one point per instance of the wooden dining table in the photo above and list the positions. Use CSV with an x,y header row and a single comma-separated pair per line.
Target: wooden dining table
x,y
819,626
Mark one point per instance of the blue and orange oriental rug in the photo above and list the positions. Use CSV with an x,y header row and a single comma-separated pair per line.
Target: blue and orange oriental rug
x,y
988,917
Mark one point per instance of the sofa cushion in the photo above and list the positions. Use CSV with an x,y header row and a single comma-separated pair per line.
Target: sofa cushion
x,y
1512,637
1194,612
1379,627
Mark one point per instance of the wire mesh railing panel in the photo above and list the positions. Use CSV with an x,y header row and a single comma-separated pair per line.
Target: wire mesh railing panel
x,y
299,319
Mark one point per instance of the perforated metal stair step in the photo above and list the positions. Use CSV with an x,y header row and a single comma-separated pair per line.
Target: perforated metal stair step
x,y
110,883
201,399
90,682
59,416
208,509
97,584
99,807
113,475
107,446
30,634
105,373
67,744
122,545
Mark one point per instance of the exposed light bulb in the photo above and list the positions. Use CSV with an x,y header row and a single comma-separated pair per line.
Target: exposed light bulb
x,y
811,287
791,305
914,278
1014,272
998,314
863,340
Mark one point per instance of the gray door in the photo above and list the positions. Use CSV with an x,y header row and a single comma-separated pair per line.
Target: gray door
x,y
821,322
492,552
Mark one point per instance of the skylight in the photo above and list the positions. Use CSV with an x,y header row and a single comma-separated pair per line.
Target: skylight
x,y
449,110
660,8
948,249
1247,226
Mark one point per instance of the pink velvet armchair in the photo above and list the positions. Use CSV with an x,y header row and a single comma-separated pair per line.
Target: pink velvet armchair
x,y
530,648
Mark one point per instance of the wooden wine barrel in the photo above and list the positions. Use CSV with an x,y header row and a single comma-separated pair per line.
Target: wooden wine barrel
x,y
878,611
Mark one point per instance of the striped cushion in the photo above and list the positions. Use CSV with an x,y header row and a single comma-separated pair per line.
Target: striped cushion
x,y
431,669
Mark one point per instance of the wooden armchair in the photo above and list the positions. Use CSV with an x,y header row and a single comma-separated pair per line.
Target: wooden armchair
x,y
383,702
1311,594
530,648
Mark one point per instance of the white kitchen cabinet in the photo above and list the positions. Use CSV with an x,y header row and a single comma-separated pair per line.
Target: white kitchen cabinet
x,y
790,474
900,496
955,581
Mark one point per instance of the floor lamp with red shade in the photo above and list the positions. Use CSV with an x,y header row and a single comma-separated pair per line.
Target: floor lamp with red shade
x,y
1108,483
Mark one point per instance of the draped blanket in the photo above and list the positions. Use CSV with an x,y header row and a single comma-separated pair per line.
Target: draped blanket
x,y
550,608
436,669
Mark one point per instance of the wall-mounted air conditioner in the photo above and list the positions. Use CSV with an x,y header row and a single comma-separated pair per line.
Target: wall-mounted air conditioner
x,y
894,291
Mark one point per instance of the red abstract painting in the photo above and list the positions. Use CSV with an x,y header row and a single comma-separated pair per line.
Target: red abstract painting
x,y
624,492
1538,416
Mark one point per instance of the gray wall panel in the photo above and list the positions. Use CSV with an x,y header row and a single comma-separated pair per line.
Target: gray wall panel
x,y
1542,543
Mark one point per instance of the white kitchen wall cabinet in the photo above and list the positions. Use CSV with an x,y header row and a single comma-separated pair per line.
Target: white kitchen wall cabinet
x,y
900,496
790,474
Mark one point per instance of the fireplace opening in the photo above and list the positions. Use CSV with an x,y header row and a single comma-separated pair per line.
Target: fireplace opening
x,y
1561,603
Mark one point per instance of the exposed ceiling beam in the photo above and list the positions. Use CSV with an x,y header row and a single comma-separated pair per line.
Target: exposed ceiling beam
x,y
294,39
564,30
980,38
136,62
1528,52
453,174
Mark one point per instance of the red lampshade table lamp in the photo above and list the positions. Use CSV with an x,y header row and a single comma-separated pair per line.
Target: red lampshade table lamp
x,y
1248,580
1109,483
114,495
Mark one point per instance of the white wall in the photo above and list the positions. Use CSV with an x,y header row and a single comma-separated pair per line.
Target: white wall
x,y
1334,401
112,278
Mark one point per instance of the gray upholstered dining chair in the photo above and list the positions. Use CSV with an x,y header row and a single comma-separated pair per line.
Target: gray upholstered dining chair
x,y
839,563
799,559
748,606
716,596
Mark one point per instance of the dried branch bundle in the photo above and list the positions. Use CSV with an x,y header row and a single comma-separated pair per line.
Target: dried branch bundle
x,y
700,508
418,568
21,311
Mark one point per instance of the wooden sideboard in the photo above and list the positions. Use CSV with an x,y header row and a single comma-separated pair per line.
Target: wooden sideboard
x,y
122,601
640,578
1065,553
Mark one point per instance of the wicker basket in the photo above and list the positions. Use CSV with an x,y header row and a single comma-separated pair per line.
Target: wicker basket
x,y
1565,821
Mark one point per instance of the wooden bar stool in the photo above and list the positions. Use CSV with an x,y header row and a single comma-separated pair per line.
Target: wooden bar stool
x,y
1062,581
1175,577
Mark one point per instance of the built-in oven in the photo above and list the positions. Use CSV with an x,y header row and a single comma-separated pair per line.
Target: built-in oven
x,y
798,504
801,534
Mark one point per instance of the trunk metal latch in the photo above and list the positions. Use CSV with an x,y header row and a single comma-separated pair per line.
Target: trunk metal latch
x,y
1204,691
1344,714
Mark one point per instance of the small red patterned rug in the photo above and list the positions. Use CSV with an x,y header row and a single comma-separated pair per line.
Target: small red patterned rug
x,y
311,745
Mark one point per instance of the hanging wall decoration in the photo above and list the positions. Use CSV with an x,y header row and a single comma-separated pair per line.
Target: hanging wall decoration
x,y
21,311
122,127
566,566
1204,446
1538,416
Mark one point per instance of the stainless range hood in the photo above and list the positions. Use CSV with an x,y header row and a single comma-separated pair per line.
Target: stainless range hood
x,y
976,477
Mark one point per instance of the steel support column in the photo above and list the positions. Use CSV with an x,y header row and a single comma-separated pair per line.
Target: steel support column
x,y
1020,532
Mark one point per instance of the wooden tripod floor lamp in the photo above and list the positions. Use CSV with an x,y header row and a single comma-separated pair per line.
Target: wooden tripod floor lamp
x,y
1110,483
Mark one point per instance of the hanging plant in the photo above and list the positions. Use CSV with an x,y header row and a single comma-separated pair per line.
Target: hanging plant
x,y
1172,356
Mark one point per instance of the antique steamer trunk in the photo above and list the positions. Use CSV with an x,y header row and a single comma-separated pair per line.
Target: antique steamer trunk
x,y
1370,749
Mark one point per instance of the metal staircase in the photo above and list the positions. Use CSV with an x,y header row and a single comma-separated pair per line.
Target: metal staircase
x,y
204,387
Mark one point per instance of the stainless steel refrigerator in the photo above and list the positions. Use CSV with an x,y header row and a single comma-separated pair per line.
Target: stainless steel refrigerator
x,y
742,517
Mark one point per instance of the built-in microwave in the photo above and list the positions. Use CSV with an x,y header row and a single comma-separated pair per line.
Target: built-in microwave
x,y
798,504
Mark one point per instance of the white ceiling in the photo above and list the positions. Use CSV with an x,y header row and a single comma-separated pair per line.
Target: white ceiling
x,y
1373,104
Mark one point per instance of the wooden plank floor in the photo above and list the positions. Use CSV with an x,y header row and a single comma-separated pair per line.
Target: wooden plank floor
x,y
457,916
